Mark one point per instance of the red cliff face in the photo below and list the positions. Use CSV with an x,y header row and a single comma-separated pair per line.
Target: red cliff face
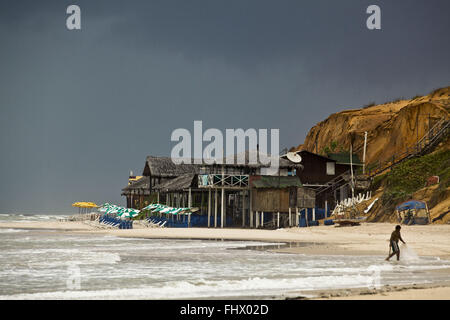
x,y
392,127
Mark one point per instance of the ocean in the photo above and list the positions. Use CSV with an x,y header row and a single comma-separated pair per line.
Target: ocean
x,y
46,264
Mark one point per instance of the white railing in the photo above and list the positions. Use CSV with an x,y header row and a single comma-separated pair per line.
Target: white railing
x,y
223,181
340,208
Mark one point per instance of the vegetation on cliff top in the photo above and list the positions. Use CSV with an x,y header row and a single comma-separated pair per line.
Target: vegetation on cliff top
x,y
408,177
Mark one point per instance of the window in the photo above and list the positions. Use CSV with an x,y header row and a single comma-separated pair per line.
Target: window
x,y
330,169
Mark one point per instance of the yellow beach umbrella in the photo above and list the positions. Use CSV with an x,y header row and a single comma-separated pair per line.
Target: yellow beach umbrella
x,y
83,206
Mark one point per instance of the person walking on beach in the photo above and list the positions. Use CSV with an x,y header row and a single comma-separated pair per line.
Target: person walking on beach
x,y
395,236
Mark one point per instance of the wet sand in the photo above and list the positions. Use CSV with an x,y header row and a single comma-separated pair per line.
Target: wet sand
x,y
412,292
368,238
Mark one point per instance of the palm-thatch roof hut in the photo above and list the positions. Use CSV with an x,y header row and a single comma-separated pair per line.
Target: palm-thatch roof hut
x,y
137,193
202,183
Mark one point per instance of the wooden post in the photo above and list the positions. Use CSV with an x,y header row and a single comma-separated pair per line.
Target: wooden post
x,y
351,169
190,198
222,211
250,208
314,214
179,204
296,217
290,218
243,208
157,197
262,219
256,220
222,208
278,219
201,204
189,205
209,207
215,208
326,209
364,152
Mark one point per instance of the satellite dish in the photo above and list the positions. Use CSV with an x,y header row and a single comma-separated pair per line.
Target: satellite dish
x,y
294,157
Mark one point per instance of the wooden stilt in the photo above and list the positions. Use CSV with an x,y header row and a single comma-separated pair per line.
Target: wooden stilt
x,y
290,218
209,207
243,208
190,205
278,219
215,208
222,209
257,219
250,207
297,217
201,204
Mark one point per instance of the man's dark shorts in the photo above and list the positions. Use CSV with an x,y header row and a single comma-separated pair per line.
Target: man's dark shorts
x,y
394,246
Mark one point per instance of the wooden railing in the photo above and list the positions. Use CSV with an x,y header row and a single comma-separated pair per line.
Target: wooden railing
x,y
433,136
338,181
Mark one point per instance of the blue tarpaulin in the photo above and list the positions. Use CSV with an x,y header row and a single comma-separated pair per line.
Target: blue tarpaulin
x,y
412,204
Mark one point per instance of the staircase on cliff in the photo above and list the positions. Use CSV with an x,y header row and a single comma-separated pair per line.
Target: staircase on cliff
x,y
432,138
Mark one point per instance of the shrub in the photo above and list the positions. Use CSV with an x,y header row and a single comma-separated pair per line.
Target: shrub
x,y
406,178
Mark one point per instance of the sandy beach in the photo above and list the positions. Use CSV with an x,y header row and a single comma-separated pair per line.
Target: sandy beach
x,y
366,239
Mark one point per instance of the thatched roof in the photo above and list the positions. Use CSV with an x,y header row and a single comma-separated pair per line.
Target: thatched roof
x,y
179,183
141,187
164,167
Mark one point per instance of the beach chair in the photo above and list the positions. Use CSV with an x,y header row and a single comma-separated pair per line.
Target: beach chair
x,y
302,223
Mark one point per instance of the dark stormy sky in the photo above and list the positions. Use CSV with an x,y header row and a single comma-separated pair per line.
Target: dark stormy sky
x,y
79,109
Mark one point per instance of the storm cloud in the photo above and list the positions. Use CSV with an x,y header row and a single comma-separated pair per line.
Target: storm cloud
x,y
81,108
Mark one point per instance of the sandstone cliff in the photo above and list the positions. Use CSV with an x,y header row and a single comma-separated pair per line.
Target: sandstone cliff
x,y
392,127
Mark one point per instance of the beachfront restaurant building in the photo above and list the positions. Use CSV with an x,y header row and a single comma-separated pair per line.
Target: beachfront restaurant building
x,y
330,176
157,170
227,195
